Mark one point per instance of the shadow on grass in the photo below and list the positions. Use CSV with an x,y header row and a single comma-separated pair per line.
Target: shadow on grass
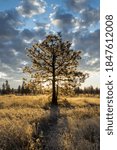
x,y
53,129
49,128
66,104
45,126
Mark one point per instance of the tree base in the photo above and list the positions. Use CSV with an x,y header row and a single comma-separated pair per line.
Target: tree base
x,y
54,101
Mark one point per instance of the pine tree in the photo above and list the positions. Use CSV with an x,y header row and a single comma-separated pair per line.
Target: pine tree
x,y
19,89
3,89
7,87
12,90
54,60
23,88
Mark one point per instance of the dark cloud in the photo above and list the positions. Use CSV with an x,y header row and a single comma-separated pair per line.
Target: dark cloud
x,y
10,42
13,41
63,20
77,5
89,42
40,24
89,14
40,33
27,34
12,47
8,22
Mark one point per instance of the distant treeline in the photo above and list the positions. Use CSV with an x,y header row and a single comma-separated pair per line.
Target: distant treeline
x,y
6,89
87,90
25,90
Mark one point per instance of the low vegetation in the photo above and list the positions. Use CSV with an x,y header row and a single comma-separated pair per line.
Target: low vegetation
x,y
32,123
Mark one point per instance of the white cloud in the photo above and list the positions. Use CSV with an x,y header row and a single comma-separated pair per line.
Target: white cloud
x,y
3,75
14,52
24,63
27,41
86,54
29,8
93,61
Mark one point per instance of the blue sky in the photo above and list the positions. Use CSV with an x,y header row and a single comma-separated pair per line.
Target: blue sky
x,y
23,22
10,4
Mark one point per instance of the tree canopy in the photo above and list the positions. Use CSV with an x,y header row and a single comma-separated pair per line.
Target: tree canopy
x,y
54,60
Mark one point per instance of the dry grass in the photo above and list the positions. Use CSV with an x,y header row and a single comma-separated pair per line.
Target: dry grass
x,y
31,123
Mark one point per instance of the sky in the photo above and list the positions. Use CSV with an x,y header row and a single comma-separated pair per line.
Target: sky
x,y
24,22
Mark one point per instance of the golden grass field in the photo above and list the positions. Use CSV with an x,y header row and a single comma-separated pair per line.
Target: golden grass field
x,y
31,123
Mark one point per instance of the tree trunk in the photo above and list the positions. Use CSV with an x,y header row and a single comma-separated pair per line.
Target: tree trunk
x,y
54,95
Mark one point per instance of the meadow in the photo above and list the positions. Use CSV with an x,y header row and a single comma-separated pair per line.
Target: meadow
x,y
32,123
